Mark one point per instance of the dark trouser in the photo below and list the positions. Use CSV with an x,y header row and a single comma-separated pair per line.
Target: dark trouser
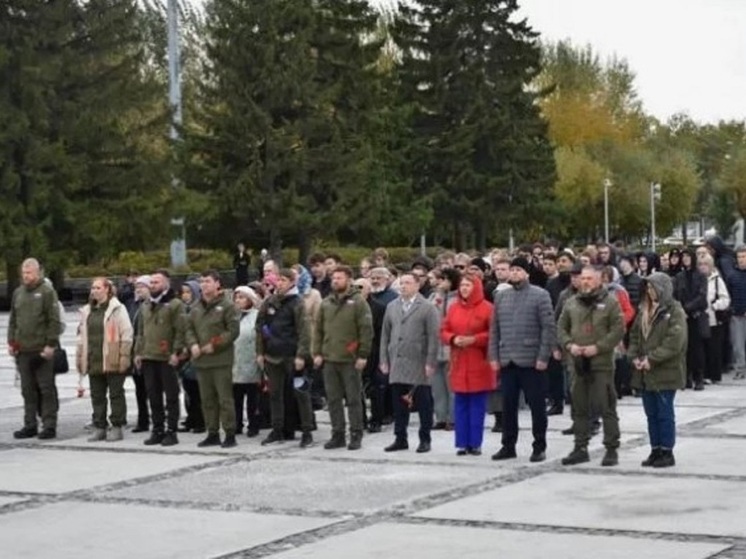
x,y
344,384
469,410
695,353
594,394
513,379
37,382
318,391
556,378
160,379
114,384
141,395
727,348
279,376
377,387
714,353
661,417
248,393
216,392
193,404
622,376
422,401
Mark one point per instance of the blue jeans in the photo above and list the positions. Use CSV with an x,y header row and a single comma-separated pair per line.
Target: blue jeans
x,y
469,411
513,380
661,418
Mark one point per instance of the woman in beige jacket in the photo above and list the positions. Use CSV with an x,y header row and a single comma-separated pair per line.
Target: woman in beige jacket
x,y
104,354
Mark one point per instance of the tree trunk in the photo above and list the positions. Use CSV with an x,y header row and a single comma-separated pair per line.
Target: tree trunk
x,y
304,248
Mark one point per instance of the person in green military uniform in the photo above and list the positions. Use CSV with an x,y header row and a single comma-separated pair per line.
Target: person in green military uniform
x,y
342,343
657,347
590,327
212,328
33,335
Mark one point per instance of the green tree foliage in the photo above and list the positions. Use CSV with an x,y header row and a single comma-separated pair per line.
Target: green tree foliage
x,y
480,147
81,156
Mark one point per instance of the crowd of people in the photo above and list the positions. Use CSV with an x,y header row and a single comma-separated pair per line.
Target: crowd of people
x,y
455,340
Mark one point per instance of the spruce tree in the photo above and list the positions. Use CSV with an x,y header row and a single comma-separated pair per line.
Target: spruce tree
x,y
481,148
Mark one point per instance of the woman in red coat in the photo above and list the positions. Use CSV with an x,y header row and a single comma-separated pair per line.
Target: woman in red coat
x,y
466,329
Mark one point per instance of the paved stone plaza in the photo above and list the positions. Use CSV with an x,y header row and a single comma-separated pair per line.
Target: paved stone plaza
x,y
78,500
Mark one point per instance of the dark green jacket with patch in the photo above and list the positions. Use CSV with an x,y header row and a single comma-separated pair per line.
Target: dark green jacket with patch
x,y
344,328
34,318
216,323
160,328
592,320
666,342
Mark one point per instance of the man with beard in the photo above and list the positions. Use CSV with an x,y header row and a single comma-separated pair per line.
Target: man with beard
x,y
342,343
590,327
522,336
377,384
158,343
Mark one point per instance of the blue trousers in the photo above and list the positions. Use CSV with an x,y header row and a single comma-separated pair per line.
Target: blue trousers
x,y
661,418
513,380
469,413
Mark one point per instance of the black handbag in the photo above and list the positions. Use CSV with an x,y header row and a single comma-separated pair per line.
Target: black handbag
x,y
722,317
60,366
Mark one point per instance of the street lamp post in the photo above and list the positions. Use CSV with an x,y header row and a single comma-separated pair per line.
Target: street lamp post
x,y
178,243
607,184
655,195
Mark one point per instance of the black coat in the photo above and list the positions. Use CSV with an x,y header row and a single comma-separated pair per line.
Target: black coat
x,y
633,284
690,289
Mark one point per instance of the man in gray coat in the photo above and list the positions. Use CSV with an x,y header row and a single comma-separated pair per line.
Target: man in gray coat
x,y
409,355
522,336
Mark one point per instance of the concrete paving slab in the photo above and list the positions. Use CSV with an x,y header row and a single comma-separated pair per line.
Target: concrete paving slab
x,y
735,426
401,540
91,531
640,503
9,500
59,471
309,485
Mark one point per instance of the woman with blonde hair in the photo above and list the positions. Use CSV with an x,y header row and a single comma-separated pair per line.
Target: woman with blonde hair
x,y
104,353
718,305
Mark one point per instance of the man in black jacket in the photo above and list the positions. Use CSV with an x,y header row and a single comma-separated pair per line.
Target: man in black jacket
x,y
630,280
690,289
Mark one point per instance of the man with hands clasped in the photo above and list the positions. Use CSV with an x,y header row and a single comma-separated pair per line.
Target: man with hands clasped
x,y
341,343
590,327
212,327
522,335
409,354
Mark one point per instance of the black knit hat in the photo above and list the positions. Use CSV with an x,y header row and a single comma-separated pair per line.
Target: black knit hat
x,y
520,262
479,263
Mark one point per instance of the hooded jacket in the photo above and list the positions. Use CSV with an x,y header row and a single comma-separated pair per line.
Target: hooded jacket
x,y
663,342
469,369
725,260
690,288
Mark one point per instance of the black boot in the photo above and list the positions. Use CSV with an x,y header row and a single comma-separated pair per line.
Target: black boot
x,y
356,440
170,439
556,409
665,459
611,458
505,453
273,437
25,433
577,456
229,441
650,460
337,441
568,431
156,437
212,439
398,444
306,440
48,433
